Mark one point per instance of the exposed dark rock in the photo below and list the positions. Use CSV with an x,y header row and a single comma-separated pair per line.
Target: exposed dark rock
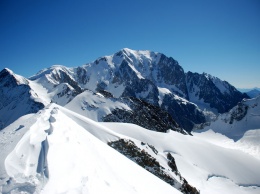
x,y
203,87
82,77
145,115
63,77
187,188
238,112
142,158
171,73
171,162
185,114
106,93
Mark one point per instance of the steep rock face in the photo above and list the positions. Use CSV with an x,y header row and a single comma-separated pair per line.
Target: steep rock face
x,y
59,83
145,115
211,92
238,112
241,118
16,98
148,162
172,74
185,113
142,89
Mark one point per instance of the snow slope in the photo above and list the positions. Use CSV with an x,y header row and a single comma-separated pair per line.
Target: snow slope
x,y
62,147
249,143
94,105
59,151
209,167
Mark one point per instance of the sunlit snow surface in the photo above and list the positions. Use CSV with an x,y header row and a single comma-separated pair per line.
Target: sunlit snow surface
x,y
205,165
79,161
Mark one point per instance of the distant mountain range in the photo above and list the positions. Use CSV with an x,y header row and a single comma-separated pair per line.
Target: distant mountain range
x,y
244,90
252,93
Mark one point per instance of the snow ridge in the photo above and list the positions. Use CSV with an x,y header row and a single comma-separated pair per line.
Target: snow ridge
x,y
95,166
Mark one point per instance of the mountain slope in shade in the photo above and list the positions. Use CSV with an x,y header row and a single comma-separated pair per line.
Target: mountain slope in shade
x,y
103,106
243,117
212,93
253,93
16,98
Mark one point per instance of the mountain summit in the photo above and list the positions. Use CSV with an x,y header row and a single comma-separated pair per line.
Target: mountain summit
x,y
16,98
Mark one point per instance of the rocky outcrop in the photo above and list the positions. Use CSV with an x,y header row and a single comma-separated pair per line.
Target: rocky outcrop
x,y
145,115
148,162
207,89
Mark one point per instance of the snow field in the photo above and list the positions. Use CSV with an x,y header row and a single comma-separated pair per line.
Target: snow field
x,y
202,163
78,162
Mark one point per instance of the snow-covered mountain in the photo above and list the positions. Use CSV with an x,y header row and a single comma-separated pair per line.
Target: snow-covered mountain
x,y
149,76
16,98
58,85
253,93
212,93
240,119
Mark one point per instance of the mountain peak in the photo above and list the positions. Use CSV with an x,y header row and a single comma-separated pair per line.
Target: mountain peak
x,y
56,66
7,70
127,50
7,75
137,53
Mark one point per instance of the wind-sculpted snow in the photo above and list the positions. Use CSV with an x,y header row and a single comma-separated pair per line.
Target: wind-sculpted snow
x,y
77,161
28,157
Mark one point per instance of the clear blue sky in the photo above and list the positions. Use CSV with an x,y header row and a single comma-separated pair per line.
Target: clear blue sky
x,y
220,37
